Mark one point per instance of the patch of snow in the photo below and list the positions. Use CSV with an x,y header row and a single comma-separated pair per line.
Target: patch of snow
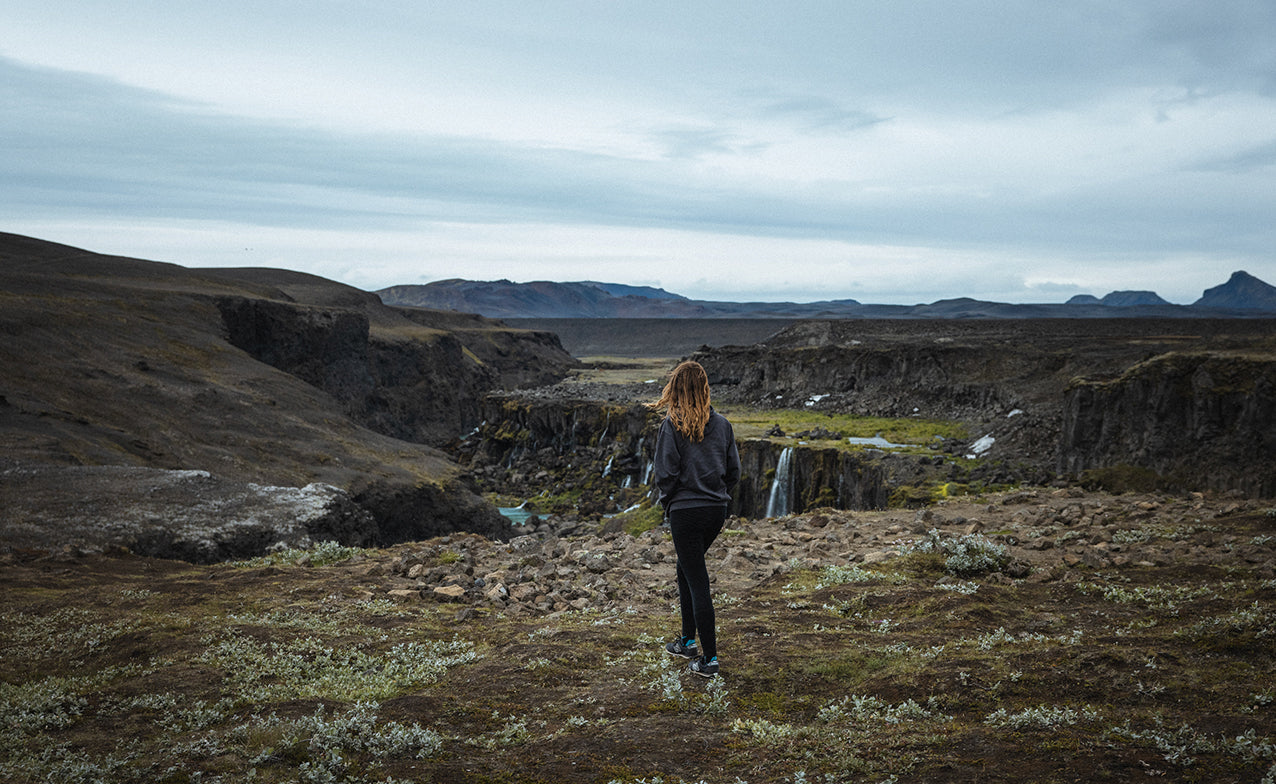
x,y
188,474
813,399
980,446
875,441
1014,413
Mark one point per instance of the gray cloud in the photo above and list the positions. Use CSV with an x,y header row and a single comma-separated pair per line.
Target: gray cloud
x,y
816,113
1006,130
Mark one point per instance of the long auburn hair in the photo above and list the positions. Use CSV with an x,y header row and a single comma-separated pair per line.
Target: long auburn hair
x,y
685,399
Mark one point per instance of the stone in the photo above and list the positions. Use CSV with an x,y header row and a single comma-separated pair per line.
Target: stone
x,y
449,593
524,543
404,594
524,592
598,563
1018,569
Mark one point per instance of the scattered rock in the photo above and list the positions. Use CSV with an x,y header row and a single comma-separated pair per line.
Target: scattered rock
x,y
449,593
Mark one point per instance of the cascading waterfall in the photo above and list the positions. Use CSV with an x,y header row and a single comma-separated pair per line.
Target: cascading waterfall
x,y
781,486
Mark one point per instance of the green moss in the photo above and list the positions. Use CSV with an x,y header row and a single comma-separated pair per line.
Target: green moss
x,y
824,497
850,668
640,520
909,497
767,703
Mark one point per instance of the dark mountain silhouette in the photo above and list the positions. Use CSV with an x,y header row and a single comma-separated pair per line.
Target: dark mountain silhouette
x,y
587,299
1242,291
622,290
1242,296
1084,299
1125,299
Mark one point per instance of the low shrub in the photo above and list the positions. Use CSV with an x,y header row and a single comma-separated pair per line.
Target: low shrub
x,y
964,556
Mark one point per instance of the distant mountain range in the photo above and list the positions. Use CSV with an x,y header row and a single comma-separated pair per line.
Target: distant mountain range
x,y
1242,296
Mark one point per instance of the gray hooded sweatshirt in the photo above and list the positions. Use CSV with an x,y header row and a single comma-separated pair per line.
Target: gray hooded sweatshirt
x,y
690,473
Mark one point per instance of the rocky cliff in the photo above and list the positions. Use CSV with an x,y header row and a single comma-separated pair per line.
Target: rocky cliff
x,y
578,455
423,388
773,483
1198,420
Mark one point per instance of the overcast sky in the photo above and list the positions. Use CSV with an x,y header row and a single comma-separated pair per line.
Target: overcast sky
x,y
889,152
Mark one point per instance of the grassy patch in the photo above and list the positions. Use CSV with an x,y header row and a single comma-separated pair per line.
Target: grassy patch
x,y
751,422
638,521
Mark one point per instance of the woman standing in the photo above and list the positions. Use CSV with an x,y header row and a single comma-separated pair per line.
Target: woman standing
x,y
696,463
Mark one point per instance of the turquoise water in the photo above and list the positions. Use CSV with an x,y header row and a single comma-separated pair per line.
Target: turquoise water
x,y
517,515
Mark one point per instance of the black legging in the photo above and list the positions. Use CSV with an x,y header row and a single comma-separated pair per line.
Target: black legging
x,y
693,531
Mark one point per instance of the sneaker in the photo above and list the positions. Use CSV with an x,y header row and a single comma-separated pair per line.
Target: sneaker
x,y
704,668
684,647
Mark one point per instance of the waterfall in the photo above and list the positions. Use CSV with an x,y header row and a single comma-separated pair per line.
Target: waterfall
x,y
607,470
778,505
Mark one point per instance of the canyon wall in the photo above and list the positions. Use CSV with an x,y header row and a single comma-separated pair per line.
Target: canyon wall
x,y
426,391
425,387
600,456
1203,421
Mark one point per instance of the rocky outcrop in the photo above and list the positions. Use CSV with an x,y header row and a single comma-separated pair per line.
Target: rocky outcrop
x,y
423,390
809,478
408,513
187,515
519,356
1198,420
586,456
899,381
199,517
1045,534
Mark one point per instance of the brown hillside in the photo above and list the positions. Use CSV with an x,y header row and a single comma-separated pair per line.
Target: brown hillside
x,y
254,376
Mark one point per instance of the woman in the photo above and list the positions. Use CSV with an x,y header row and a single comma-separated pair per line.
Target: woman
x,y
696,462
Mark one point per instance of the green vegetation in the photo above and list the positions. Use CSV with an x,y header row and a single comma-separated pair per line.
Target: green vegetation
x,y
751,422
964,556
637,521
626,370
322,554
929,665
